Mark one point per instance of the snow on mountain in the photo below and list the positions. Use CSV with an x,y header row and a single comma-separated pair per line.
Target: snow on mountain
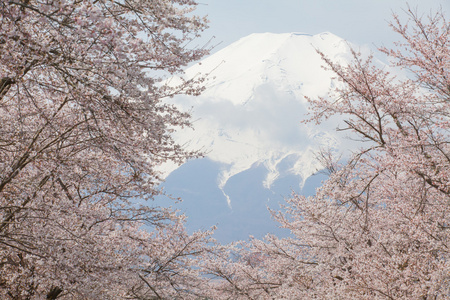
x,y
250,113
289,61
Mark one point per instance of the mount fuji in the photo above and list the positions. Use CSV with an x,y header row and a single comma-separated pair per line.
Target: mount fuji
x,y
248,124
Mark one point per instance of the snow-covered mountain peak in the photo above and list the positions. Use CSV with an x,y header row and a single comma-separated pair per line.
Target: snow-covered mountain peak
x,y
289,60
254,101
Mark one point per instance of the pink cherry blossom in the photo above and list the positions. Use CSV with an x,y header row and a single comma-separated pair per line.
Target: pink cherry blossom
x,y
84,126
379,226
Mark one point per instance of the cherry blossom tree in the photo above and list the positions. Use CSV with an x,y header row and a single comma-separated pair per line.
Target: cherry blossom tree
x,y
379,227
83,129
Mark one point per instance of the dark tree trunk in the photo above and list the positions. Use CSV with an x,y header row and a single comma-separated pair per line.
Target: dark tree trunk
x,y
54,293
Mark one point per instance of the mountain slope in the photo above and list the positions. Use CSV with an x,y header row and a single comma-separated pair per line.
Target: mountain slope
x,y
248,122
251,109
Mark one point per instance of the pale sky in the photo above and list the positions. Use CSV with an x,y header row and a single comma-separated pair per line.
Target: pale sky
x,y
362,22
